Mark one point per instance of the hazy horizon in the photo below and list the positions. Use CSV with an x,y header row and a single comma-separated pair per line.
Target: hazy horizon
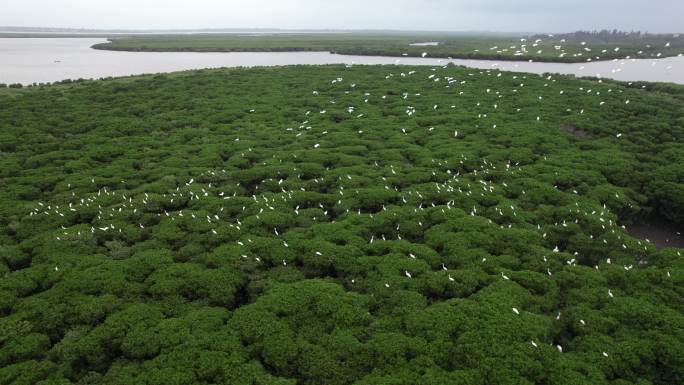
x,y
657,16
95,31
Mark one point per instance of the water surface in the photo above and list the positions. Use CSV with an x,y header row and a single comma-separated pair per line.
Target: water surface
x,y
659,232
29,60
427,43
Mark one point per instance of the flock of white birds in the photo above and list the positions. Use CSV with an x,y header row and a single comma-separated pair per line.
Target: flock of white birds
x,y
121,204
587,54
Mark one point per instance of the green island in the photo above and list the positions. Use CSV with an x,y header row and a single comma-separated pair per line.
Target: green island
x,y
365,225
568,48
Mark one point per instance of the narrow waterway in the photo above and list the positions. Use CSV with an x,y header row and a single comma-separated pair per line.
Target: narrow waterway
x,y
40,60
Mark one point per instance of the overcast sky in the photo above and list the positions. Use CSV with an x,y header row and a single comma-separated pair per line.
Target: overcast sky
x,y
445,15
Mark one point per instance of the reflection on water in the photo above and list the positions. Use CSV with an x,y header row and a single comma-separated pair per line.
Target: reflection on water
x,y
657,231
29,60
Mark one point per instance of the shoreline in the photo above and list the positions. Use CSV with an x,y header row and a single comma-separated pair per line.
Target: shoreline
x,y
508,58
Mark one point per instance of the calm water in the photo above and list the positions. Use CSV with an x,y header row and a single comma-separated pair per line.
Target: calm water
x,y
427,43
28,60
660,233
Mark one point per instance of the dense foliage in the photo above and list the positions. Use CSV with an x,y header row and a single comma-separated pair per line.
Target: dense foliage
x,y
576,47
340,225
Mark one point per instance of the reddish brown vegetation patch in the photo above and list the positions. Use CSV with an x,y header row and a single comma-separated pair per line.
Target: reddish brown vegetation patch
x,y
574,130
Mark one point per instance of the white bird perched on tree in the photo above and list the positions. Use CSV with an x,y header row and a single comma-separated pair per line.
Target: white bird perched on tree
x,y
515,310
407,273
